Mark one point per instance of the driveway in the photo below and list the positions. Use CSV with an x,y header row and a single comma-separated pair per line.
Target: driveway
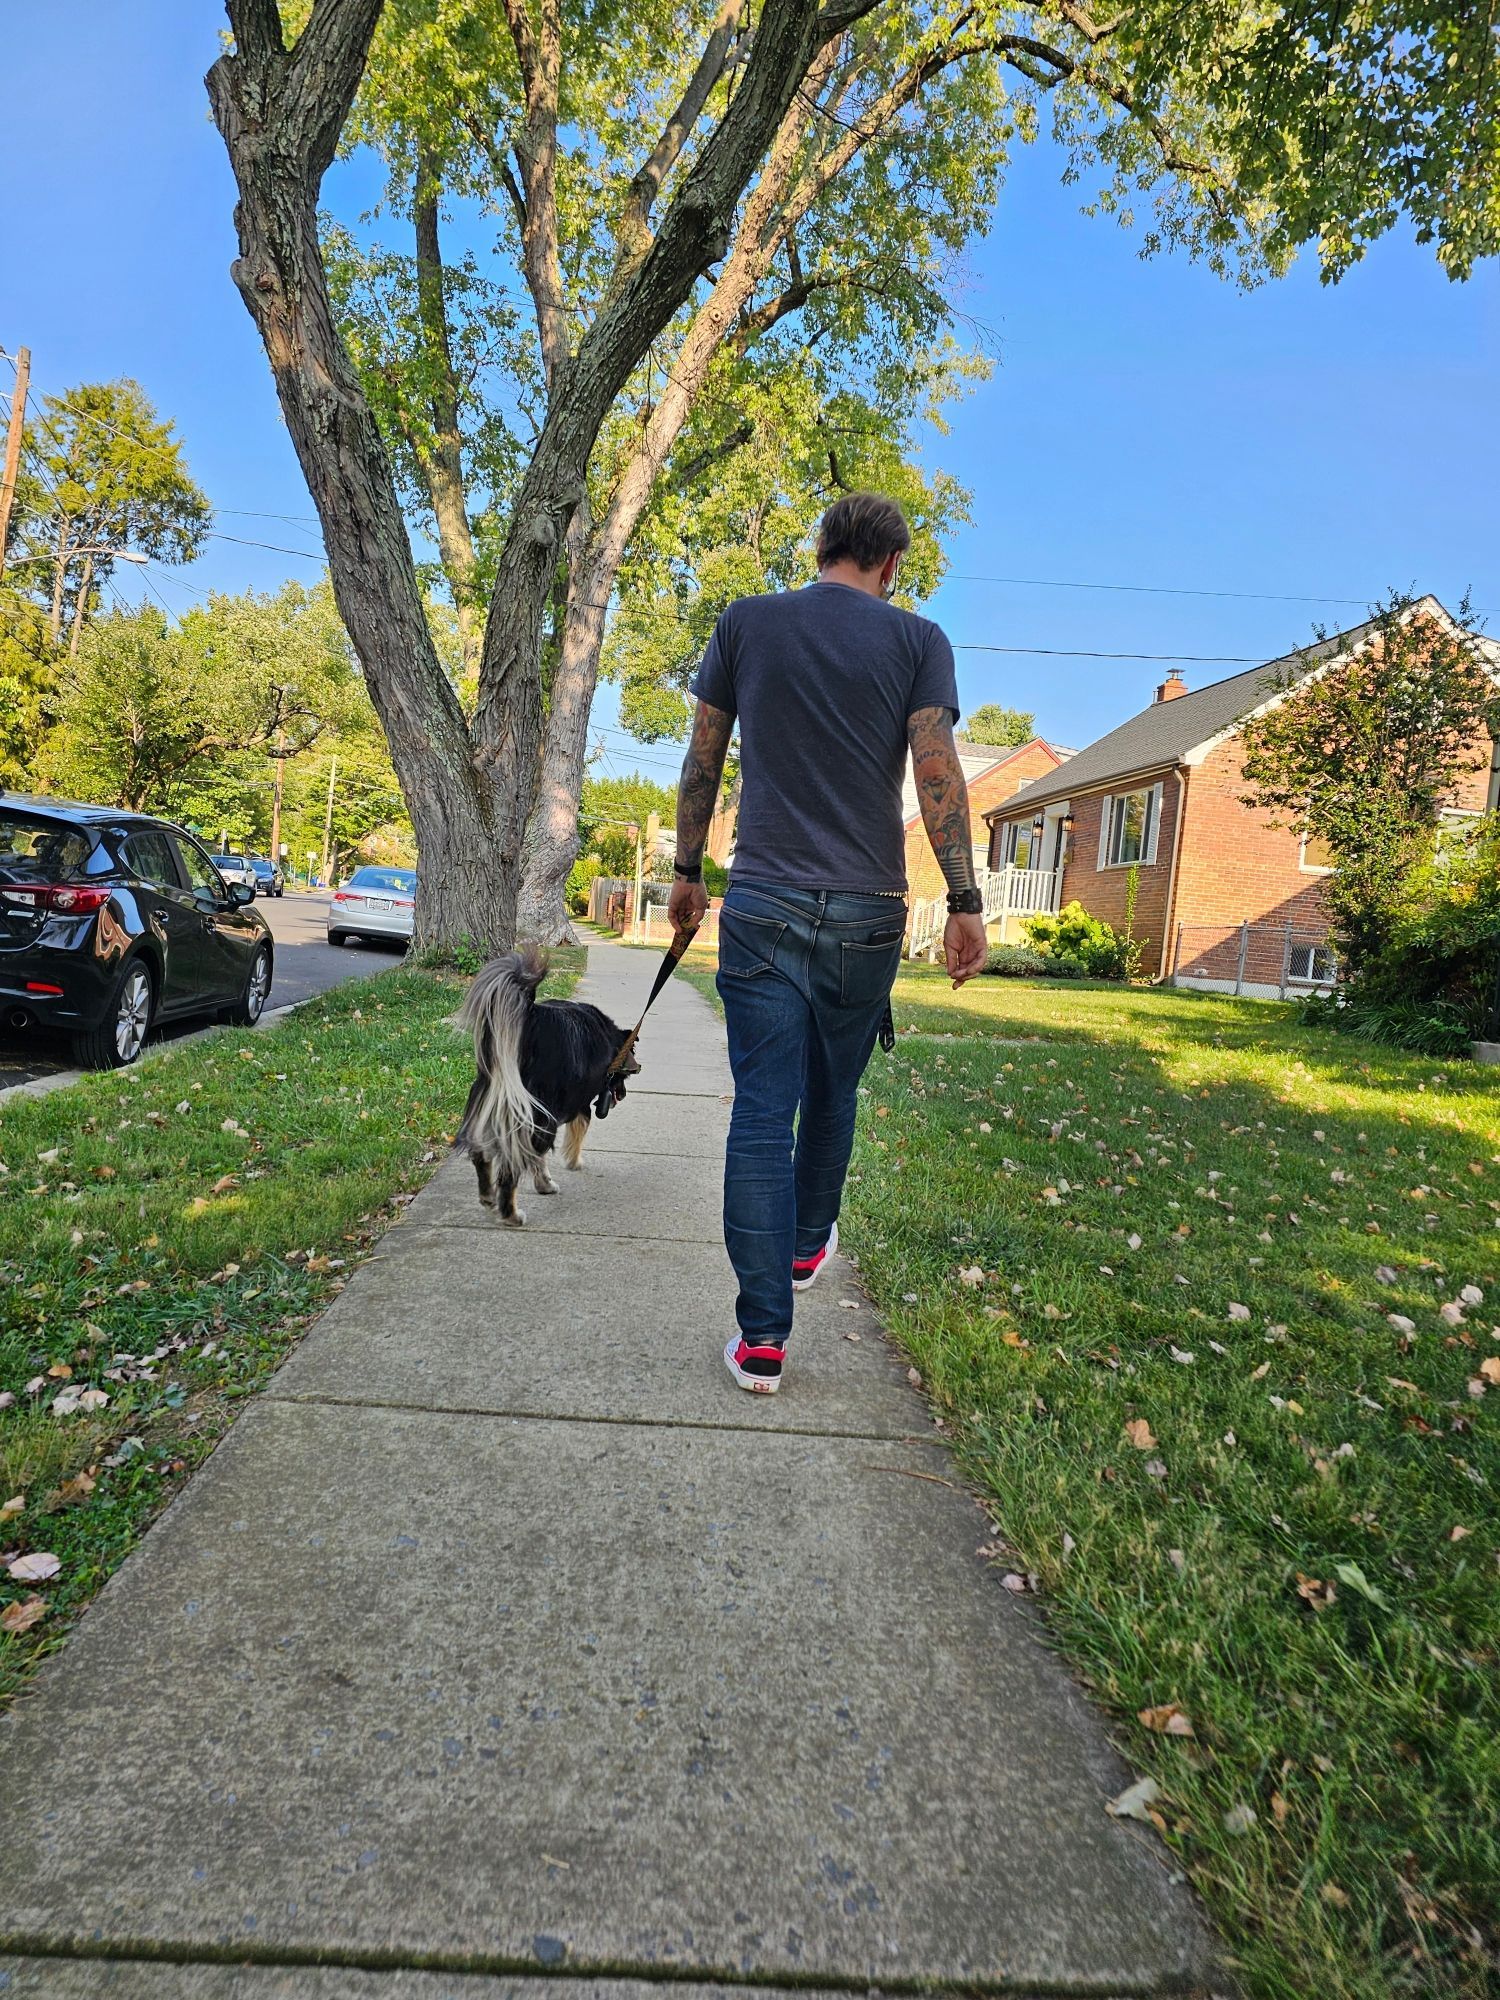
x,y
306,964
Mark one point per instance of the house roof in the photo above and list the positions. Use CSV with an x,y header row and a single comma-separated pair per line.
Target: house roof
x,y
1163,734
974,759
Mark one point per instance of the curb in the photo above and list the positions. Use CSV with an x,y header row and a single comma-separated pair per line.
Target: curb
x,y
43,1086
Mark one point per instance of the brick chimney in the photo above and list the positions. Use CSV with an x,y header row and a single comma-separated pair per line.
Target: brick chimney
x,y
1171,688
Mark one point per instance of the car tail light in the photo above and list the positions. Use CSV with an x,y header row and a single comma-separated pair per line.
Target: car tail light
x,y
40,986
341,896
70,900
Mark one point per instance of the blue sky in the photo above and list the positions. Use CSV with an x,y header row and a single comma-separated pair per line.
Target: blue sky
x,y
1148,424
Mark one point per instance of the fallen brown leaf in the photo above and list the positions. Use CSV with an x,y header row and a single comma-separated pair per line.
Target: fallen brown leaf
x,y
1168,1720
20,1617
1138,1432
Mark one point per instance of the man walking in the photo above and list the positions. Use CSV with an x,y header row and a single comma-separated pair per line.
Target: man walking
x,y
830,685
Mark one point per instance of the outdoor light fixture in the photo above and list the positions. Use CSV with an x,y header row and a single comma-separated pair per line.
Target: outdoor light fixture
x,y
1067,822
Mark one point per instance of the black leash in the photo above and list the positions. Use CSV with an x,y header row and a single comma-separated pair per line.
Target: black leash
x,y
614,1082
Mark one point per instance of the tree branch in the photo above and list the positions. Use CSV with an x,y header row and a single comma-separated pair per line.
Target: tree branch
x,y
694,468
641,198
535,200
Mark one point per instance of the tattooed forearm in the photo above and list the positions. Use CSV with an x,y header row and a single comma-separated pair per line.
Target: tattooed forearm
x,y
943,793
698,790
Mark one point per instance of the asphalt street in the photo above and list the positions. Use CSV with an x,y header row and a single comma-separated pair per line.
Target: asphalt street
x,y
306,964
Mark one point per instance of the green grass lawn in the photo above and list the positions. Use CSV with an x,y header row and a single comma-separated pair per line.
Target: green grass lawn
x,y
1195,1291
166,1233
1173,1270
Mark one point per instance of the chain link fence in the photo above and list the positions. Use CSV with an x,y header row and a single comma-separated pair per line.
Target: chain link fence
x,y
1266,961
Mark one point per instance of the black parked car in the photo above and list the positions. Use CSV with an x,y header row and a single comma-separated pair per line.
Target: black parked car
x,y
111,921
269,879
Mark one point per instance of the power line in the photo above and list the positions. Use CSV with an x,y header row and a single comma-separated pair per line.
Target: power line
x,y
1079,653
1154,589
218,535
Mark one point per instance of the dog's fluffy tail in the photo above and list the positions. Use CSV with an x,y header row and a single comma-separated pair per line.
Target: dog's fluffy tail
x,y
502,1110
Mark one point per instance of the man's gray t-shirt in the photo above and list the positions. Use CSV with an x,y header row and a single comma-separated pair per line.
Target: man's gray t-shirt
x,y
822,680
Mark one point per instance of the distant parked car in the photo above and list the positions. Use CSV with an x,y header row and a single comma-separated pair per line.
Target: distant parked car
x,y
237,868
373,903
112,921
269,879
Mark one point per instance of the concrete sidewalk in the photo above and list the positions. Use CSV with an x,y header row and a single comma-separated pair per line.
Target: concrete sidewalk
x,y
504,1645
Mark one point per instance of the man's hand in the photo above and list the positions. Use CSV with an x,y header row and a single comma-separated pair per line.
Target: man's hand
x,y
965,947
688,903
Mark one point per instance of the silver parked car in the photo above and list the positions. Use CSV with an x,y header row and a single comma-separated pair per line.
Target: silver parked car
x,y
373,903
235,868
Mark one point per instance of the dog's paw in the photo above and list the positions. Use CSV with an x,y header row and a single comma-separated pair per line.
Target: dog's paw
x,y
575,1166
546,1187
515,1220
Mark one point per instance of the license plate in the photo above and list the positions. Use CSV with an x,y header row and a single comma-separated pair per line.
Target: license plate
x,y
377,902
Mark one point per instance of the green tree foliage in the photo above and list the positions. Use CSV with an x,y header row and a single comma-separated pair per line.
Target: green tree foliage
x,y
1363,754
629,800
28,678
101,471
750,524
183,719
1005,728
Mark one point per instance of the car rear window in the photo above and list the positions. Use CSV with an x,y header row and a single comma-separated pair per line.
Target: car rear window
x,y
34,848
393,881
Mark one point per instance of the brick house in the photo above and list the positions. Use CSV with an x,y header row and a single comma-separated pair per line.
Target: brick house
x,y
1225,899
992,775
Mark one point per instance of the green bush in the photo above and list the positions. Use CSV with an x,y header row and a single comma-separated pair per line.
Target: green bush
x,y
1074,934
1434,985
581,878
1023,961
1420,1027
715,878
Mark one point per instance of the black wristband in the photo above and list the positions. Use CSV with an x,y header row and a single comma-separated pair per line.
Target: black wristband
x,y
965,903
684,873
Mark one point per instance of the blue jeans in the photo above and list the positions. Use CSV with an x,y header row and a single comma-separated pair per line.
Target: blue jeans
x,y
805,976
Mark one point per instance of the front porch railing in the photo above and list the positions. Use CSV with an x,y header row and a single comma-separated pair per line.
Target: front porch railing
x,y
1007,892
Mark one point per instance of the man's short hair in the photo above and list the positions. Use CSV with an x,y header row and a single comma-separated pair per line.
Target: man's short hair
x,y
862,528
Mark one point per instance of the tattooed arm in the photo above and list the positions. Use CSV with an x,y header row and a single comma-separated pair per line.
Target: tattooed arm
x,y
945,814
697,796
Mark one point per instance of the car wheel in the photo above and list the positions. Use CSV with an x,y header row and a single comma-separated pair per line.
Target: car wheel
x,y
121,1035
335,938
247,1010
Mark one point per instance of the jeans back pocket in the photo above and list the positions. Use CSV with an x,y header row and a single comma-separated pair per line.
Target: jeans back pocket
x,y
868,970
747,945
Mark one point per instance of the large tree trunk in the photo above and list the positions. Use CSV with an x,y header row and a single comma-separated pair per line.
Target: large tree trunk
x,y
552,837
280,139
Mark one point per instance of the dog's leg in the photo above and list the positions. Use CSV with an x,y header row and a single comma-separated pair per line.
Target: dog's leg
x,y
486,1180
574,1135
510,1215
541,1179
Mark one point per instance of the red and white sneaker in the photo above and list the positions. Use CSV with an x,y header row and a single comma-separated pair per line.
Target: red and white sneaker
x,y
757,1369
806,1269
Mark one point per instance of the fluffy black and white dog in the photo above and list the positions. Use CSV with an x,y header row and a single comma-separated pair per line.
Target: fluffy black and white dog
x,y
542,1065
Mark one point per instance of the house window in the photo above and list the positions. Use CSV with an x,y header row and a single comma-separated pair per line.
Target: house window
x,y
1130,826
1017,849
1312,965
1317,856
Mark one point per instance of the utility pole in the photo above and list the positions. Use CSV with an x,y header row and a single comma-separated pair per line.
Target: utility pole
x,y
279,753
13,438
333,766
639,872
